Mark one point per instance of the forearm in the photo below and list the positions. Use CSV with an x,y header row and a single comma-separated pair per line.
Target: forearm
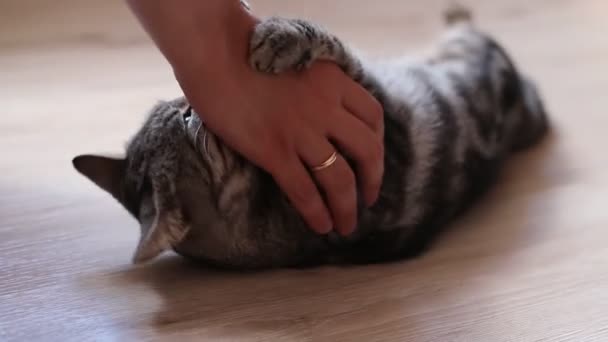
x,y
200,35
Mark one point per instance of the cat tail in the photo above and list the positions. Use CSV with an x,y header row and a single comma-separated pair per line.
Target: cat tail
x,y
456,14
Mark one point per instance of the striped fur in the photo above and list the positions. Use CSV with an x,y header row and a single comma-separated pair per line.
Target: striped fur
x,y
451,120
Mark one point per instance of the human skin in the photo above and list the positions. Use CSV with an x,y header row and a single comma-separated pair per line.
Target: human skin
x,y
287,123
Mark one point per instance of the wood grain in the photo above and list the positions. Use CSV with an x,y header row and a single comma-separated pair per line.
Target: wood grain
x,y
530,263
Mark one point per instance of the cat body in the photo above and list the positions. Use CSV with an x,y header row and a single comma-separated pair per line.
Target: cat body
x,y
451,120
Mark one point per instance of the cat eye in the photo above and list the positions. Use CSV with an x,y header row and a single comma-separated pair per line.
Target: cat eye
x,y
187,116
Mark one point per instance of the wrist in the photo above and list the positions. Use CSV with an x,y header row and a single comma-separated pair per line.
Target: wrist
x,y
223,43
220,64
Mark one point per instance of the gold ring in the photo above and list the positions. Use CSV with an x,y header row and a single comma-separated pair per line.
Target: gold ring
x,y
329,162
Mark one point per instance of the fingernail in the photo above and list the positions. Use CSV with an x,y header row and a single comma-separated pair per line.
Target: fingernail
x,y
347,232
371,200
326,227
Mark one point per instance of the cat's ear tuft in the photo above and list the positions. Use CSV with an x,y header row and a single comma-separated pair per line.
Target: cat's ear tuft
x,y
161,232
105,172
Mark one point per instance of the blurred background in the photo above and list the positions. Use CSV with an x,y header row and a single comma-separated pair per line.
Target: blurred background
x,y
77,76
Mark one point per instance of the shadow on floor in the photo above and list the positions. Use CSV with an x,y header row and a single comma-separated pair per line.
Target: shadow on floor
x,y
296,301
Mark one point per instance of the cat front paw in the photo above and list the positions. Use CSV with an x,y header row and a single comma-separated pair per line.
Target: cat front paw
x,y
280,44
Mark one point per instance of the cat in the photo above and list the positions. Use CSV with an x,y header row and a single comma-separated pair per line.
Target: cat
x,y
451,121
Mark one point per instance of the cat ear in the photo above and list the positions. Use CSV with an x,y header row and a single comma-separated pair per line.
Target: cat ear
x,y
161,230
105,172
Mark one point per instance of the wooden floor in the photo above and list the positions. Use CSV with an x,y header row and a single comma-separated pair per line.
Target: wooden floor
x,y
530,263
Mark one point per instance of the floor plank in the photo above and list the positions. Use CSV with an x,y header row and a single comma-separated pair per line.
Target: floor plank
x,y
530,263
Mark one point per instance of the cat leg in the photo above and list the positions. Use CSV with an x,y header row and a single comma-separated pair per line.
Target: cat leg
x,y
517,97
461,40
279,44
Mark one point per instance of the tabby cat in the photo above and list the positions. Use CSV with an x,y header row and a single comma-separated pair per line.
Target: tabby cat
x,y
450,121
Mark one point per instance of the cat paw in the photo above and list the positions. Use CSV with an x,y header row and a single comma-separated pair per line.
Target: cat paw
x,y
279,45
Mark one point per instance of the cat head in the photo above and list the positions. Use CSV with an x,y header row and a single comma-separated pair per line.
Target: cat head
x,y
168,179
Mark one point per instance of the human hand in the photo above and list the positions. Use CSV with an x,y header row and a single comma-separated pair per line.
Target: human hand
x,y
286,124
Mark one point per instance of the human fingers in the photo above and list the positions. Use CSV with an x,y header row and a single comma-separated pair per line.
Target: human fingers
x,y
359,102
336,179
365,148
297,184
